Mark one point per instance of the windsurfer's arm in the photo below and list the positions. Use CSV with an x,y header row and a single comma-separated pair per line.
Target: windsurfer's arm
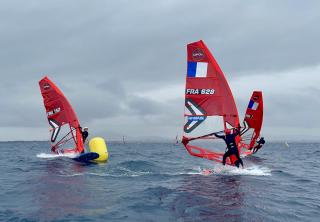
x,y
218,136
186,140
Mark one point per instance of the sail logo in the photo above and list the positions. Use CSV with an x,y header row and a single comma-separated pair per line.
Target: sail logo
x,y
198,54
195,115
200,91
46,86
196,118
55,129
56,110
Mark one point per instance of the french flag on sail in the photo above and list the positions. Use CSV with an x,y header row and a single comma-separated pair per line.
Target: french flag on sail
x,y
253,105
197,69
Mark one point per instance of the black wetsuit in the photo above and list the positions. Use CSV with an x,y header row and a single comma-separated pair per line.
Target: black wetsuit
x,y
232,148
261,142
85,135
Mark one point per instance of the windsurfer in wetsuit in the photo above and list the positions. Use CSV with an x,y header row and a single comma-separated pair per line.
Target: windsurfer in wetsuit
x,y
84,133
232,149
260,143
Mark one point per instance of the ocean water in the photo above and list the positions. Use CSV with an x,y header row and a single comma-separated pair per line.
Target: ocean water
x,y
159,182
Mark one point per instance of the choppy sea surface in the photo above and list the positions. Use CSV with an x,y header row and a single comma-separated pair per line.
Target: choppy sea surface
x,y
159,182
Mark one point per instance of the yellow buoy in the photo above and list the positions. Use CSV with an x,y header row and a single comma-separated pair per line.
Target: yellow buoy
x,y
99,146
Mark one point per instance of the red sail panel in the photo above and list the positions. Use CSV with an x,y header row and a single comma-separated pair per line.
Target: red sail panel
x,y
209,103
65,132
252,121
205,73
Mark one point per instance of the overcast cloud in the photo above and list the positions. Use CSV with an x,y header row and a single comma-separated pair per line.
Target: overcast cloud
x,y
122,64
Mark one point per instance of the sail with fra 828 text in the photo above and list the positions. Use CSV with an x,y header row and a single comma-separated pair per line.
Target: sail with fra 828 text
x,y
209,104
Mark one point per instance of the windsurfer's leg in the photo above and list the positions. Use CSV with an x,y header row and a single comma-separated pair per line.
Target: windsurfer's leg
x,y
256,148
239,160
224,159
227,154
260,146
237,154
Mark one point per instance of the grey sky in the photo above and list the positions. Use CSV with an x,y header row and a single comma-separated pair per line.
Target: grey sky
x,y
122,64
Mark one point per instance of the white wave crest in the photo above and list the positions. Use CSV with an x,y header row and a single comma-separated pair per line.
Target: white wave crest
x,y
229,170
54,155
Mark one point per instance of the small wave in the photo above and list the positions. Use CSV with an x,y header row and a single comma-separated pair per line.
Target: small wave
x,y
304,181
283,173
137,165
123,171
83,174
53,155
316,152
193,171
229,170
72,175
123,174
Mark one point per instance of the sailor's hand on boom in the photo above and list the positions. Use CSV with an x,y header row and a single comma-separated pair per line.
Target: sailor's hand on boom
x,y
185,140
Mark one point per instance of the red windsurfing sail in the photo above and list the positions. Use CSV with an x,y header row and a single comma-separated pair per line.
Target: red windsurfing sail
x,y
252,121
65,128
209,104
